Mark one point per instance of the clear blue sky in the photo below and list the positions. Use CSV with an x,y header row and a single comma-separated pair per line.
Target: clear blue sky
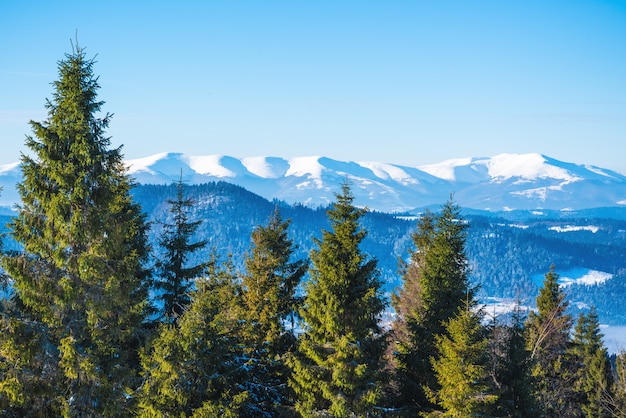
x,y
407,82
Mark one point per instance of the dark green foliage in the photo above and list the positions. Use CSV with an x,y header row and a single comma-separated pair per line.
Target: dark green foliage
x,y
78,281
511,369
410,357
26,367
593,370
175,276
436,285
336,367
269,301
548,342
194,367
618,390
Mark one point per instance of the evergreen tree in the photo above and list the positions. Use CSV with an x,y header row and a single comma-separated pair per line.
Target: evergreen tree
x,y
617,403
175,275
193,368
25,367
79,280
593,370
462,368
269,299
337,365
435,286
548,342
511,369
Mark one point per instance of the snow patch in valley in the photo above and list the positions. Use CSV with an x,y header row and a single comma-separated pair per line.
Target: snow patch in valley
x,y
574,228
577,276
591,277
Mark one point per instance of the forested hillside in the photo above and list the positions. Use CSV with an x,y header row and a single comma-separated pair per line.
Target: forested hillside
x,y
507,257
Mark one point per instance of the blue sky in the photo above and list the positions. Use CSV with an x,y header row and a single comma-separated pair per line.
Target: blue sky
x,y
406,82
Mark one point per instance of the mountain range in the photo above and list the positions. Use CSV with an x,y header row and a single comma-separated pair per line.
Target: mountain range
x,y
500,183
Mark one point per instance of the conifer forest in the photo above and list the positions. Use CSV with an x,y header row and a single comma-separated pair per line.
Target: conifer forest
x,y
91,328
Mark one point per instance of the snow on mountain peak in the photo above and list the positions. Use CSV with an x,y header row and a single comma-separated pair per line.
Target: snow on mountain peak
x,y
301,166
447,169
390,172
9,168
145,163
500,167
266,167
526,166
215,165
516,181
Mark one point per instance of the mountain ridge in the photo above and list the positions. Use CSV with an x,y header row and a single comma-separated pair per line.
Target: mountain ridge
x,y
499,183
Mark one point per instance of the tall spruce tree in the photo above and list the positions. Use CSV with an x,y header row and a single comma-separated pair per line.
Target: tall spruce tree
x,y
269,300
435,286
592,366
194,367
79,280
175,276
337,365
548,341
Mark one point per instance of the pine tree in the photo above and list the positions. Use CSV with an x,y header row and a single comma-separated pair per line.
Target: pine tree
x,y
79,277
269,300
175,275
462,367
593,370
337,365
435,286
548,342
194,367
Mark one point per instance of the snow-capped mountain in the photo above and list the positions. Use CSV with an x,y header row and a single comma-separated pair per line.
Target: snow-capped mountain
x,y
502,182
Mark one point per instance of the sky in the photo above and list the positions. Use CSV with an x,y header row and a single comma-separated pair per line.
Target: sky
x,y
396,81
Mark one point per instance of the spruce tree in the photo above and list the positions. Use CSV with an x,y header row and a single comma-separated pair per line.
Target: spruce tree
x,y
593,369
462,367
510,363
194,367
79,277
269,300
548,342
336,369
175,276
435,286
